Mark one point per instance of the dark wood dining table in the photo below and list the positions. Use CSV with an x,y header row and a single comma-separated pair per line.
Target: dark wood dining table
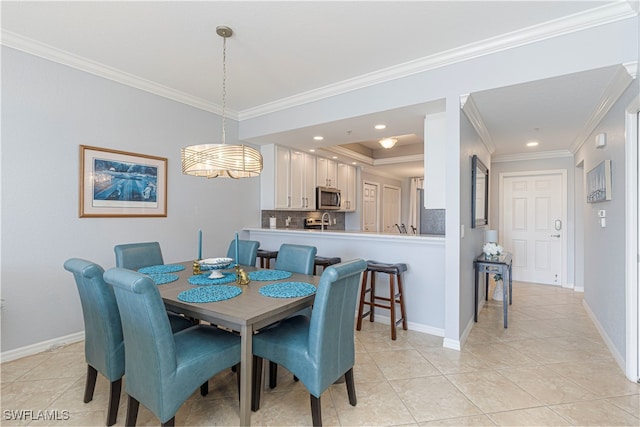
x,y
246,313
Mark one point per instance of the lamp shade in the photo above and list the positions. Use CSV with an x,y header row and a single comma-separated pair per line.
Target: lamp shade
x,y
491,236
221,160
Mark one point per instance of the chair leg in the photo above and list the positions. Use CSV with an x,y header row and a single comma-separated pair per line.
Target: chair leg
x,y
204,389
170,423
92,375
392,305
402,309
351,387
132,412
256,383
316,411
363,292
273,374
114,401
237,371
373,295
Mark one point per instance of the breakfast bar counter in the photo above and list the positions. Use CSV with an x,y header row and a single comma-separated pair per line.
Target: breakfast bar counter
x,y
424,284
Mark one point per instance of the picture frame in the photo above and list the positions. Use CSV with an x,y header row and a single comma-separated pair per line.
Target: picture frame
x,y
479,193
599,183
116,183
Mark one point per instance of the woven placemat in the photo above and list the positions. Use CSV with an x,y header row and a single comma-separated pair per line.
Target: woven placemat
x,y
288,290
209,294
204,280
159,269
161,279
267,275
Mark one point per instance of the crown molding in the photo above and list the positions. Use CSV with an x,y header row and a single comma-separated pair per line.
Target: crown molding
x,y
361,158
45,51
577,22
377,172
473,114
632,68
532,156
616,87
398,159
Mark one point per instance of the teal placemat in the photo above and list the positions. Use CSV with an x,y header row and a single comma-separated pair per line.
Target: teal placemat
x,y
203,279
161,279
158,269
288,290
209,293
267,275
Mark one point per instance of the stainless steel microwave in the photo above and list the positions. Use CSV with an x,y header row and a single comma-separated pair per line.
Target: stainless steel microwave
x,y
327,198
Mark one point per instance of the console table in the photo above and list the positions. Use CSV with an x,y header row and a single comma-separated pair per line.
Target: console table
x,y
500,264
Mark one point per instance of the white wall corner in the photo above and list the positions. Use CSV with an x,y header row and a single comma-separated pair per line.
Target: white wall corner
x,y
473,114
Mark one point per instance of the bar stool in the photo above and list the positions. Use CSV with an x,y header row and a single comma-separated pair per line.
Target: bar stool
x,y
266,256
394,271
324,262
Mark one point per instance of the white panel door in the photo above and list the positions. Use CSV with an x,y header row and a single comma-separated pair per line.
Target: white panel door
x,y
370,204
390,209
533,229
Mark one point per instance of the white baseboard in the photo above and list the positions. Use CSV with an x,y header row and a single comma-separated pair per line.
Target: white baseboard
x,y
579,289
418,327
32,349
612,348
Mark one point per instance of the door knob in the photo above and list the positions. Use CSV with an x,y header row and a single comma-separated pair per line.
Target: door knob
x,y
555,235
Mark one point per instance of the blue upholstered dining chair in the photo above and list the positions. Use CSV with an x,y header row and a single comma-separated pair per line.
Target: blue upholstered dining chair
x,y
134,256
247,251
296,258
320,349
103,342
163,369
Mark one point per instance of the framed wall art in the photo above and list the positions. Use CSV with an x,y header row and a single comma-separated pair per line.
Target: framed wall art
x,y
121,184
599,183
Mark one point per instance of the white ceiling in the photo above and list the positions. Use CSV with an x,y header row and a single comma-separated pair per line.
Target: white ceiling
x,y
290,52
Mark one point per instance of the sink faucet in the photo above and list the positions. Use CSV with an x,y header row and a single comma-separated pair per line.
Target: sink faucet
x,y
322,220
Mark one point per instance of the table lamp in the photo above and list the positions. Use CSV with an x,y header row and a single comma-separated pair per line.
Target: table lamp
x,y
491,236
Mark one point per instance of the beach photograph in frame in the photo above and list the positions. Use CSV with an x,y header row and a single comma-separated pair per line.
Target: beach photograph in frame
x,y
117,183
599,183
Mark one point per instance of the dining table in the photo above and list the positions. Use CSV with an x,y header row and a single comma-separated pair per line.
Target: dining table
x,y
245,313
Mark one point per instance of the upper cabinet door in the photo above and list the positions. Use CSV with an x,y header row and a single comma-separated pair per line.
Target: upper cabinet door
x,y
327,173
347,186
282,178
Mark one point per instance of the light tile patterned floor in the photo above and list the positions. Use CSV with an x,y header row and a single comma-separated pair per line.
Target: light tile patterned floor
x,y
550,367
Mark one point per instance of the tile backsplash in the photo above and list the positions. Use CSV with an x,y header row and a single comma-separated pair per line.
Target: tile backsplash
x,y
297,219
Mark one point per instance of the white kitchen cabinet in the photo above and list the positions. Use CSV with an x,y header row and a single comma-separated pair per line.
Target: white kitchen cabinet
x,y
347,186
303,181
327,172
282,178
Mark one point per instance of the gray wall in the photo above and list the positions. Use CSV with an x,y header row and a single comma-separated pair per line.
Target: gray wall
x,y
48,110
471,243
604,248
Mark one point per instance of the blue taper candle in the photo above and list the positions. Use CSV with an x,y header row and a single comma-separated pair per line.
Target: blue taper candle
x,y
237,249
199,244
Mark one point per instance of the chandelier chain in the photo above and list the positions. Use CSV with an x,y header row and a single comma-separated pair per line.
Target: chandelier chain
x,y
224,87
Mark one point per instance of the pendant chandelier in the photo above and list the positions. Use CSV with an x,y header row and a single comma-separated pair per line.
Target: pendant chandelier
x,y
222,160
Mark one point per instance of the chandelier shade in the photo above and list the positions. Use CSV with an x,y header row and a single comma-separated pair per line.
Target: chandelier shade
x,y
221,160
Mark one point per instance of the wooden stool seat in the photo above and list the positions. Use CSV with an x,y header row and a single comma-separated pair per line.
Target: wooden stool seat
x,y
324,262
266,256
395,274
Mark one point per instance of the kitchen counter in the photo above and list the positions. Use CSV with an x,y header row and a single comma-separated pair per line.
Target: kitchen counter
x,y
424,255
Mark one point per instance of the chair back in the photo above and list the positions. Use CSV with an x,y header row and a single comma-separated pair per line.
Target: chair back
x,y
296,258
331,341
103,344
150,358
134,256
247,251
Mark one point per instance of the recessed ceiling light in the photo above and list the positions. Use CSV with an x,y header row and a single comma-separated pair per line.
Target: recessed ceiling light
x,y
532,144
318,138
334,157
312,150
354,163
380,126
